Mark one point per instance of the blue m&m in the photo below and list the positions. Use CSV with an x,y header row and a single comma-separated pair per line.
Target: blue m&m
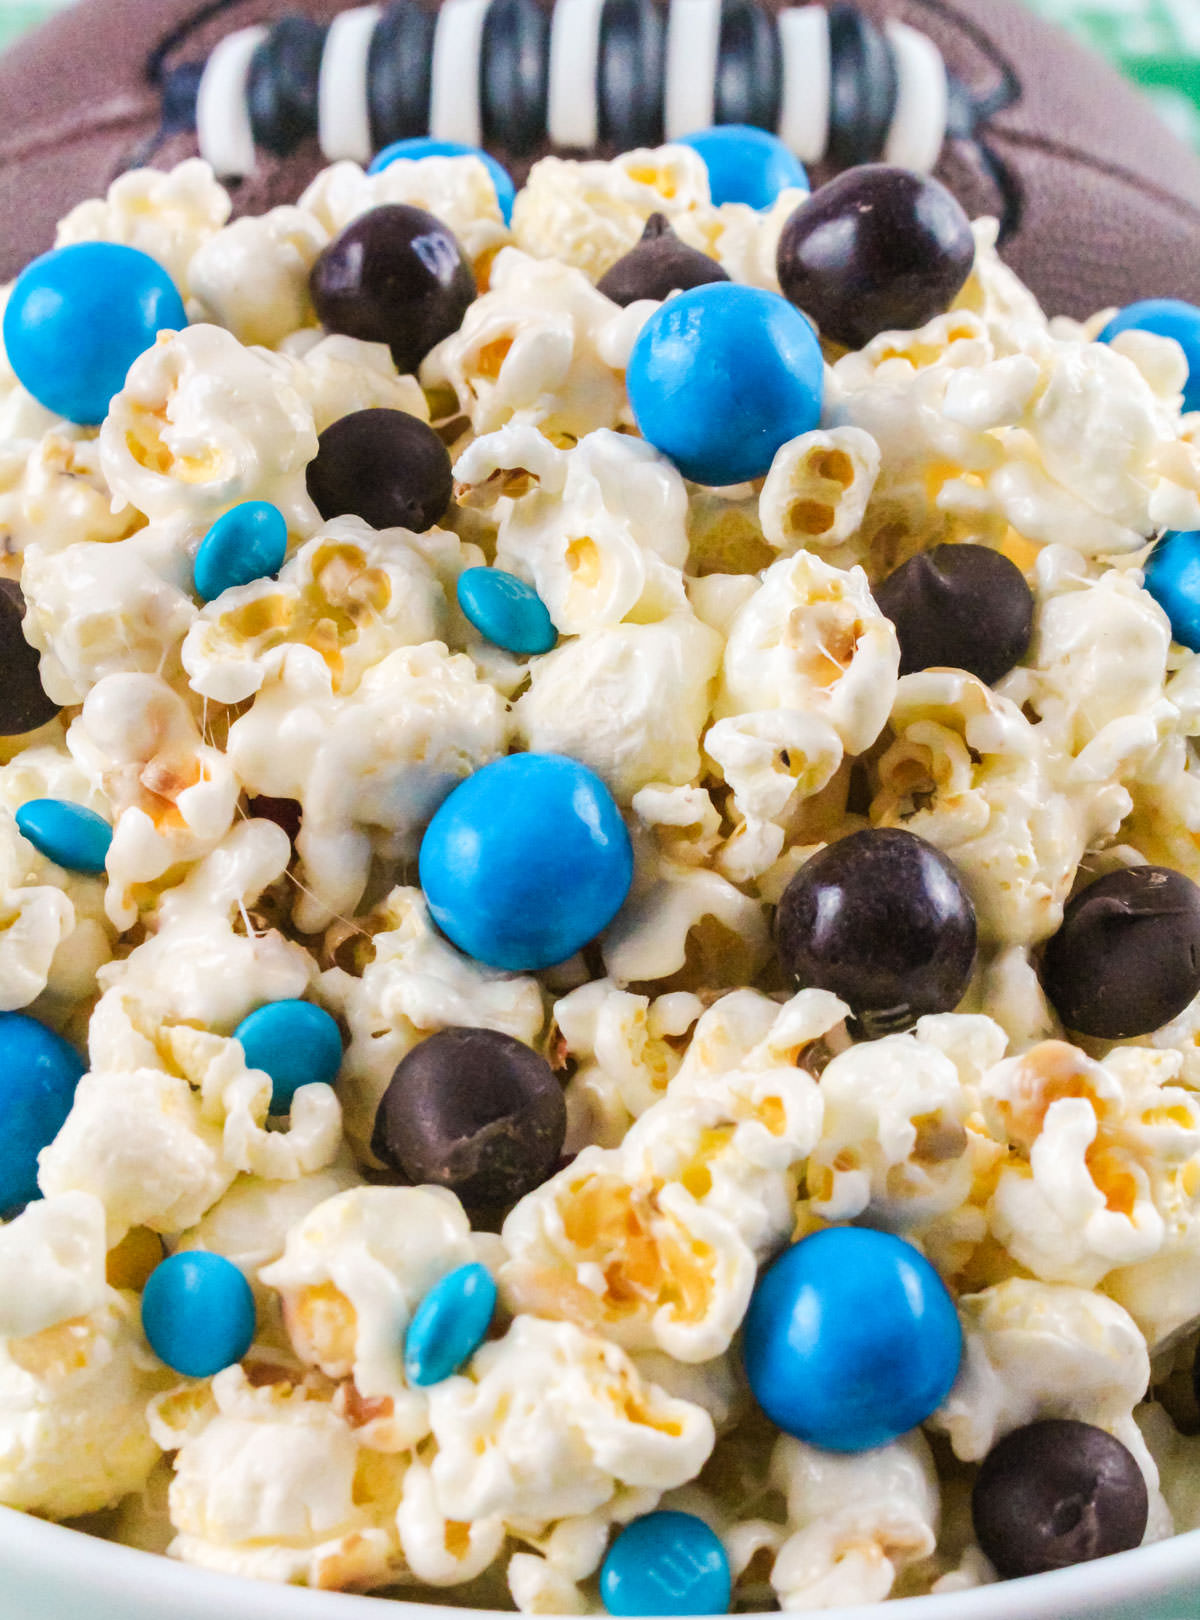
x,y
851,1339
198,1313
296,1043
721,376
1165,317
508,612
666,1563
249,542
746,165
78,318
1172,576
68,834
526,861
424,146
449,1325
38,1076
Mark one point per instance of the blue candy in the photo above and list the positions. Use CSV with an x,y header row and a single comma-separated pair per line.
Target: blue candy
x,y
423,146
66,833
746,165
666,1563
508,612
449,1325
198,1313
1168,317
526,861
294,1042
851,1339
78,318
721,376
249,542
1172,576
38,1076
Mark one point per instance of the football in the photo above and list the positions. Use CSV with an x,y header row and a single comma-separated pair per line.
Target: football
x,y
1099,203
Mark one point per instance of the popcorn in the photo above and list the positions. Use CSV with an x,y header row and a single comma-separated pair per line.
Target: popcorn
x,y
1038,1350
541,346
458,190
170,216
552,1423
203,423
252,276
349,594
368,767
854,1522
817,491
413,983
337,374
352,1274
273,1484
812,639
75,1371
58,496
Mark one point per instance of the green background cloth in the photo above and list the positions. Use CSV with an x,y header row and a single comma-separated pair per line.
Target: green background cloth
x,y
1156,42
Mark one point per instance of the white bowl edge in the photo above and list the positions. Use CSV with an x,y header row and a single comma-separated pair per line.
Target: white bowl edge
x,y
48,1572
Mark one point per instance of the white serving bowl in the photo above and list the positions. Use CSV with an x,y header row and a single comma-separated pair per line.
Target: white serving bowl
x,y
48,1573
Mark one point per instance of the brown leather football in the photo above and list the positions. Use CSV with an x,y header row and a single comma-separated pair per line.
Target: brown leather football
x,y
1100,204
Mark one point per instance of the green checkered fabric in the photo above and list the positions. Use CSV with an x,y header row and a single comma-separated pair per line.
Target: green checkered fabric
x,y
1156,42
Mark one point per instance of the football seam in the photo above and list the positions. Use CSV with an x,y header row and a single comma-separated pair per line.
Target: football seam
x,y
1048,147
129,108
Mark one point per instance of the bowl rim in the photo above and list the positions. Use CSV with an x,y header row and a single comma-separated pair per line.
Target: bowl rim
x,y
34,1548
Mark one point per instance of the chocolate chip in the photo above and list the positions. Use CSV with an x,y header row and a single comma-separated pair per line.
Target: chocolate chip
x,y
963,607
1126,959
24,705
1057,1493
475,1111
658,265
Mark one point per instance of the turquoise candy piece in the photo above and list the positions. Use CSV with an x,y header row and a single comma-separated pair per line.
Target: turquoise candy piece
x,y
449,1325
723,375
66,833
1172,576
296,1043
38,1076
79,317
1166,317
746,165
508,612
851,1339
666,1563
198,1313
249,542
526,861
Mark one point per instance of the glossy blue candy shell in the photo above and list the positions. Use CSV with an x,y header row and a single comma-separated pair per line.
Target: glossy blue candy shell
x,y
423,146
851,1339
1172,577
68,834
746,165
449,1325
666,1563
721,376
296,1043
249,542
78,318
1168,317
38,1076
508,612
198,1313
526,861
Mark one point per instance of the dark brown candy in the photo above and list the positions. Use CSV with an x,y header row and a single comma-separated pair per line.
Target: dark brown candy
x,y
658,265
1057,1493
24,705
962,607
475,1111
1126,958
881,919
386,467
877,249
395,275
